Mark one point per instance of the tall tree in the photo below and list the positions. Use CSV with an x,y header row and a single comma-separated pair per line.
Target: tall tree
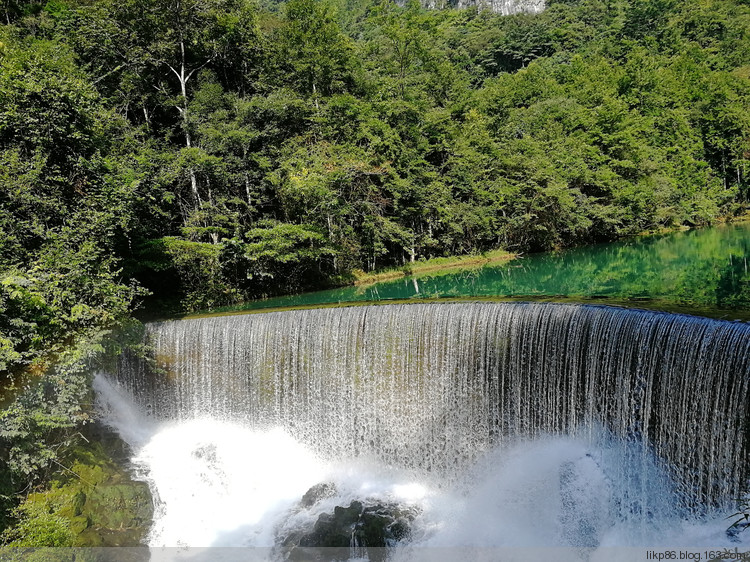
x,y
314,53
179,38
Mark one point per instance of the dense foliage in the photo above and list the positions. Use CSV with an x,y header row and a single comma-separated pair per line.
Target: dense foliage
x,y
216,151
209,152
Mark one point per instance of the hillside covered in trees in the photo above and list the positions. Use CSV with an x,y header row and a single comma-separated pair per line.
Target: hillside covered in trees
x,y
213,151
203,152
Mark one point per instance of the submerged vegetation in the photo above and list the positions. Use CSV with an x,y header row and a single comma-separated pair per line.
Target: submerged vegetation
x,y
205,153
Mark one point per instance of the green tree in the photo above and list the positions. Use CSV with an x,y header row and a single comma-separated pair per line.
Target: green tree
x,y
314,56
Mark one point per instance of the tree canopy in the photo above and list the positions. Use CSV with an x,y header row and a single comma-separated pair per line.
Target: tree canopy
x,y
214,151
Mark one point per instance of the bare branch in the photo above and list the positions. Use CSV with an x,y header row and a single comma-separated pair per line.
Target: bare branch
x,y
198,68
170,67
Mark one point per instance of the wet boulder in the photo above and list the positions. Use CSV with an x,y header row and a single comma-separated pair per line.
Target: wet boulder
x,y
364,527
318,493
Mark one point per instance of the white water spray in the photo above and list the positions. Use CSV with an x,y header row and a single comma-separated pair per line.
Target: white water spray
x,y
218,484
401,404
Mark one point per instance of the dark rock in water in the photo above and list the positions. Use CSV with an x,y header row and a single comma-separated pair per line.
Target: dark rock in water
x,y
365,527
733,532
317,493
384,525
334,530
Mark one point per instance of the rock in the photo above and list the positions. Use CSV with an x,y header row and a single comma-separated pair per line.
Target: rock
x,y
317,493
733,532
383,525
79,500
363,526
103,503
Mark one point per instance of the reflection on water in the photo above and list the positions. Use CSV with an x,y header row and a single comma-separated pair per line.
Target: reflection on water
x,y
700,269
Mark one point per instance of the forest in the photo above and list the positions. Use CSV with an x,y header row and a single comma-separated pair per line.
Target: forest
x,y
190,154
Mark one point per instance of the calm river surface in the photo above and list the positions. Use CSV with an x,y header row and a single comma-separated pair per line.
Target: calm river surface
x,y
702,271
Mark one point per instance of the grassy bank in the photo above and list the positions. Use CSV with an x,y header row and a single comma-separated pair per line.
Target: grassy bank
x,y
431,266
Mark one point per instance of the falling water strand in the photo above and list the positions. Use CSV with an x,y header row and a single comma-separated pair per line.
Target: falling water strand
x,y
432,387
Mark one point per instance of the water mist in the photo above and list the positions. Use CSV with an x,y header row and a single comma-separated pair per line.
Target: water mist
x,y
501,426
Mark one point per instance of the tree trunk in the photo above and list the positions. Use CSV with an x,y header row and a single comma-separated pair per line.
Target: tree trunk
x,y
247,190
191,171
183,76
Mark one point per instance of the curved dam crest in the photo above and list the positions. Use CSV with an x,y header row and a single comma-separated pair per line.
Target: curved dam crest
x,y
433,387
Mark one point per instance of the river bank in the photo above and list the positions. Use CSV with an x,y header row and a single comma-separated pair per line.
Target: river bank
x,y
433,265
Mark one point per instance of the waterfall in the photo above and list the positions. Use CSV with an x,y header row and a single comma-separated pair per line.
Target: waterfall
x,y
433,387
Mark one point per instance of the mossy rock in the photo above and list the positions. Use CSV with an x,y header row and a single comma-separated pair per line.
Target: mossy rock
x,y
119,505
79,524
93,501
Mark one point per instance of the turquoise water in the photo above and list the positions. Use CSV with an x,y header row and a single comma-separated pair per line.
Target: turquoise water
x,y
702,271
